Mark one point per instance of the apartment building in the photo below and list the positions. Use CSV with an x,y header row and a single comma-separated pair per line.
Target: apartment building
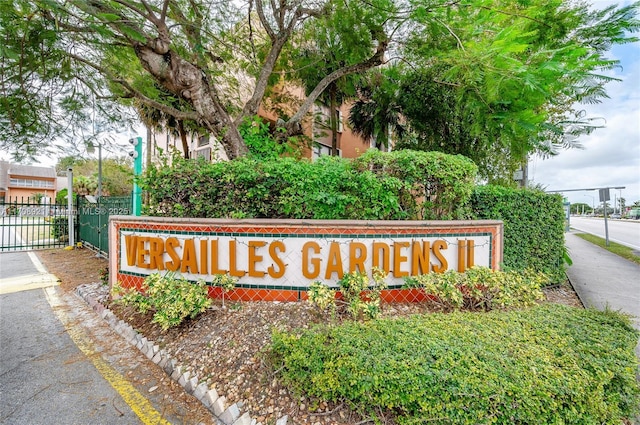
x,y
26,181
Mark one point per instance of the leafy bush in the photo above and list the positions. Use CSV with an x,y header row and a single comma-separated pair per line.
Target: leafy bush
x,y
61,227
436,185
357,296
549,364
224,281
533,227
328,188
262,144
61,197
481,288
171,299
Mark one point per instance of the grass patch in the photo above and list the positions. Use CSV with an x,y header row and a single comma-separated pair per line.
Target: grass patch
x,y
615,248
543,365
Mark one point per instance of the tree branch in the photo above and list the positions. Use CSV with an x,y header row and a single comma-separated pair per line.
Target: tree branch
x,y
137,94
452,33
377,59
278,42
263,20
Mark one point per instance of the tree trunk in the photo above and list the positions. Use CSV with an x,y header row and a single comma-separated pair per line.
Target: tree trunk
x,y
334,119
187,81
183,138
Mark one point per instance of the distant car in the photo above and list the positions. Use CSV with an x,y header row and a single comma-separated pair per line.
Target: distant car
x,y
615,216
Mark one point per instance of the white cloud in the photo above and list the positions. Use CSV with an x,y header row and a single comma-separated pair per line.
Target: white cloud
x,y
612,154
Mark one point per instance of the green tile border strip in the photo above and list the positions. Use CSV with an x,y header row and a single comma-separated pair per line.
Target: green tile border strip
x,y
306,235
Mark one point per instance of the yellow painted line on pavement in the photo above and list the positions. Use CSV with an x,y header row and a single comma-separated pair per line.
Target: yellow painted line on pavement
x,y
10,285
136,401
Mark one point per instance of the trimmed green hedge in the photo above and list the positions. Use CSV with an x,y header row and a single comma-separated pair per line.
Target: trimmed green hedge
x,y
550,364
328,188
533,227
437,185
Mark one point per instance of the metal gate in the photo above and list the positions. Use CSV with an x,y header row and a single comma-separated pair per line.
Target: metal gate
x,y
28,225
93,220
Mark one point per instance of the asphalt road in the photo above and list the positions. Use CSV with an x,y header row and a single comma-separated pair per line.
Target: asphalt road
x,y
624,232
44,377
60,363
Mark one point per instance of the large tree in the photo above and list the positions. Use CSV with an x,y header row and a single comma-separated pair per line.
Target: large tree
x,y
211,63
203,61
500,80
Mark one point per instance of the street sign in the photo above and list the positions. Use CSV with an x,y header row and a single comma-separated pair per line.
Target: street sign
x,y
604,195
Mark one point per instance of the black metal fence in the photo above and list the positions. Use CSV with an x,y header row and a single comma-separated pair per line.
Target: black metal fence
x,y
93,219
26,224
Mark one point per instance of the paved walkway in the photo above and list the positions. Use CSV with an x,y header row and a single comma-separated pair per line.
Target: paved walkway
x,y
21,271
50,370
604,280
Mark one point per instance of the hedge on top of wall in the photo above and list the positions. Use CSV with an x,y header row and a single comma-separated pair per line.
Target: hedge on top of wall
x,y
533,227
328,188
437,185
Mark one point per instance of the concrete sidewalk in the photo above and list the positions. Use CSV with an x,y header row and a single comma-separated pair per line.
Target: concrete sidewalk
x,y
604,280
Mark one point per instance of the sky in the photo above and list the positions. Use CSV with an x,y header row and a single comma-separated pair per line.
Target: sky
x,y
611,155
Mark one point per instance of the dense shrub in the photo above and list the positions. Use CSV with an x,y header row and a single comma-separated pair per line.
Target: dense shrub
x,y
357,295
328,188
172,299
549,364
533,227
61,227
437,185
481,288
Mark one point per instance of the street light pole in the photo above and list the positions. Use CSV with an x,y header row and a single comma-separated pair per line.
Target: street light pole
x,y
91,149
99,170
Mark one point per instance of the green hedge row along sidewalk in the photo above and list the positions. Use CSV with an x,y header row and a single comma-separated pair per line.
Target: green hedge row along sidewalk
x,y
549,364
533,227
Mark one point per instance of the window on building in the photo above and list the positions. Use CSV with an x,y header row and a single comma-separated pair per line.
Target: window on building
x,y
202,153
323,118
203,141
320,149
45,184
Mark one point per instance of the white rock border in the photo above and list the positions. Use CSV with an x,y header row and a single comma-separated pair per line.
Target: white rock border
x,y
216,404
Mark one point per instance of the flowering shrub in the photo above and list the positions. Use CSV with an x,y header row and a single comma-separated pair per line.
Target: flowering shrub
x,y
172,299
359,297
481,288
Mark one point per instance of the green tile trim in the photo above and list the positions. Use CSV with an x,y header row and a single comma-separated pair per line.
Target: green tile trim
x,y
307,235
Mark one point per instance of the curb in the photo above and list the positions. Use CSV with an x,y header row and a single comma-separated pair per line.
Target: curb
x,y
225,414
574,290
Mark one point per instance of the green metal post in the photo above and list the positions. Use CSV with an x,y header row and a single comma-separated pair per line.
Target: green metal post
x,y
137,172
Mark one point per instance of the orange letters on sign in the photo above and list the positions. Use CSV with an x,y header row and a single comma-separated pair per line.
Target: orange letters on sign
x,y
274,247
142,252
334,264
254,258
131,243
438,246
233,266
314,261
170,246
189,257
398,259
357,257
